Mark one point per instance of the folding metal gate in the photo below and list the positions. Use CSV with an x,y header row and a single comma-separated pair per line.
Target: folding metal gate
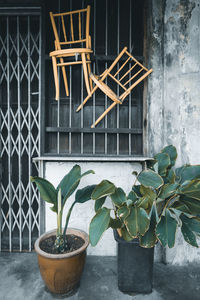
x,y
20,101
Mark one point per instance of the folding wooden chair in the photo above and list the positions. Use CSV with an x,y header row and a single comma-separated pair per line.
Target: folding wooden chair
x,y
131,73
72,32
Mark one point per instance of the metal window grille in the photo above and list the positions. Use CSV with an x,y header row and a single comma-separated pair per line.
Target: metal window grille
x,y
20,101
114,24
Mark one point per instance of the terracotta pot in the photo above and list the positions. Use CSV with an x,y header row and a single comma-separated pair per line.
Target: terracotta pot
x,y
62,272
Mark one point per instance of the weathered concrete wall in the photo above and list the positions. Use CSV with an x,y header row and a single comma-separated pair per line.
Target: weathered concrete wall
x,y
174,89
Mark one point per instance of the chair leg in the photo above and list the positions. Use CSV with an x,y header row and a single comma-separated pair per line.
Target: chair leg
x,y
55,73
103,115
87,98
89,71
65,77
85,73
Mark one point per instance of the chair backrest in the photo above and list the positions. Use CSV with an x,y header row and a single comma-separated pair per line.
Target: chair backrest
x,y
74,28
127,72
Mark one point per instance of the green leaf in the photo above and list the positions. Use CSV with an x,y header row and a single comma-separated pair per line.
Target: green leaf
x,y
171,176
193,205
171,151
191,189
148,197
99,203
192,223
163,163
47,191
118,197
98,225
188,172
132,196
70,182
103,189
137,223
148,240
84,195
115,223
189,226
149,178
168,190
123,212
166,230
136,190
125,234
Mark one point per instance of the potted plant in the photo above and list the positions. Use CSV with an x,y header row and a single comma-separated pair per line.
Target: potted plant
x,y
61,252
162,199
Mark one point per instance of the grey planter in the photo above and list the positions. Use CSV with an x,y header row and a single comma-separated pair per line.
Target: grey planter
x,y
135,266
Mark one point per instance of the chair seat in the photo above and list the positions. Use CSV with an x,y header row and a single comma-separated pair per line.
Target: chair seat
x,y
103,86
70,52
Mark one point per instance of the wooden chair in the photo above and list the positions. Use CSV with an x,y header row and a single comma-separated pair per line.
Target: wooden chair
x,y
72,33
131,73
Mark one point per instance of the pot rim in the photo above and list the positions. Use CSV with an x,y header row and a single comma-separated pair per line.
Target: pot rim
x,y
74,231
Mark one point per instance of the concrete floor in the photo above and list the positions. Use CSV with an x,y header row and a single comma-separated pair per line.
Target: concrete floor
x,y
20,279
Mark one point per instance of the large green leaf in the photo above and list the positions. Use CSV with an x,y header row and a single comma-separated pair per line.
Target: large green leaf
x,y
192,204
168,190
191,189
118,197
149,178
99,203
115,223
47,191
170,178
98,225
171,151
163,163
148,240
189,226
123,212
132,196
125,234
188,172
70,182
136,190
137,223
166,229
84,195
103,189
148,197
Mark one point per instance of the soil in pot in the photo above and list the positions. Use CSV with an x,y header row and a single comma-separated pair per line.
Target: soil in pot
x,y
74,242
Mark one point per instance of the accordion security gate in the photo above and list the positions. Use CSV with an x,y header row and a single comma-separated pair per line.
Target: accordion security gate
x,y
20,101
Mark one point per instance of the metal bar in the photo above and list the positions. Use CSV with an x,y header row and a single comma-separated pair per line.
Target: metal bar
x,y
106,66
9,137
94,97
19,138
29,131
118,38
16,11
41,207
70,102
94,130
82,93
129,102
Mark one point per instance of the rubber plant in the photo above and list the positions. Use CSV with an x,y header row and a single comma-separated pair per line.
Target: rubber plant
x,y
162,199
58,198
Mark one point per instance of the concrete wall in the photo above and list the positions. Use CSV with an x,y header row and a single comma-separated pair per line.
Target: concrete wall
x,y
173,112
174,89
